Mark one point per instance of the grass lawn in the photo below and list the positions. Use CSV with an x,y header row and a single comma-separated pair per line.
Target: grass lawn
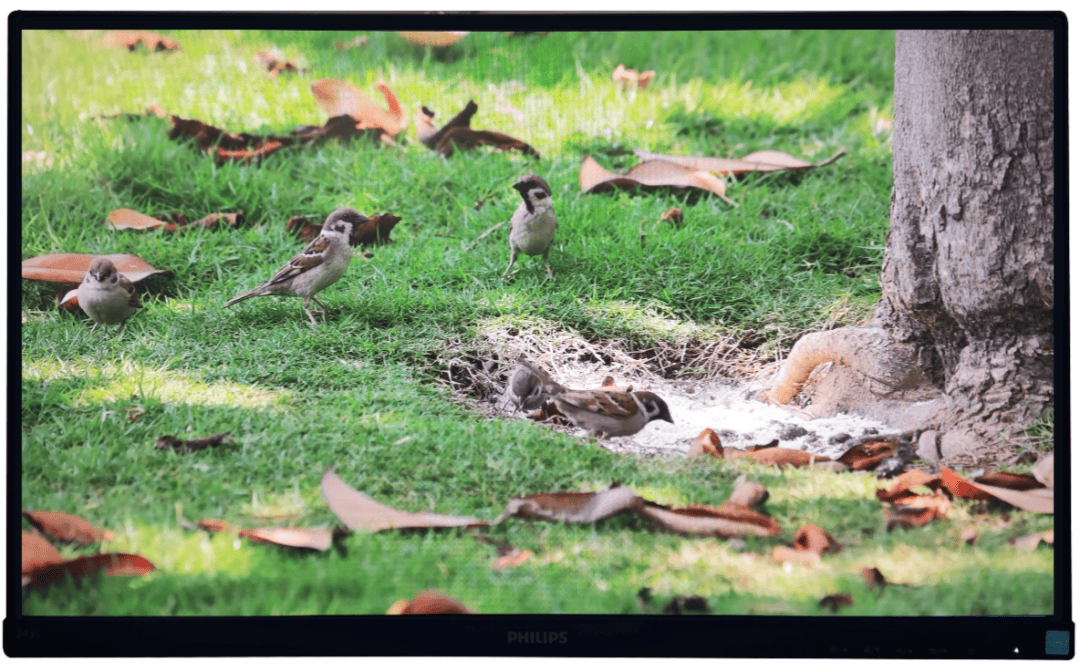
x,y
359,393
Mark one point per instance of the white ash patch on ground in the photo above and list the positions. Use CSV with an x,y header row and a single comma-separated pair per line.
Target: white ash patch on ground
x,y
731,411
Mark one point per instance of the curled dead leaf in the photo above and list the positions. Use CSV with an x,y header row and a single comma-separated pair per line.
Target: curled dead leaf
x,y
910,517
630,78
71,268
66,527
429,602
815,539
359,512
874,579
674,216
433,38
650,175
336,97
515,558
759,161
868,455
37,552
748,494
707,443
113,565
779,456
834,601
572,507
727,520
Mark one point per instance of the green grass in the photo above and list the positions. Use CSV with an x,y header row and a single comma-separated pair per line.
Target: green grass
x,y
357,392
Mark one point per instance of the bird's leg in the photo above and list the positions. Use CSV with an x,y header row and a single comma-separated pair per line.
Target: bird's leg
x,y
547,266
513,257
308,312
95,327
319,302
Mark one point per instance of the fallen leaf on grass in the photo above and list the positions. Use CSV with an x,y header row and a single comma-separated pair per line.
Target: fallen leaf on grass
x,y
113,565
727,520
66,527
274,63
336,97
910,517
707,443
1009,480
572,507
835,601
800,556
188,446
815,539
1043,471
680,604
650,175
71,268
429,602
630,78
874,579
36,552
1032,500
759,161
457,133
748,494
361,513
868,455
779,456
1031,542
674,216
432,38
319,539
515,558
130,40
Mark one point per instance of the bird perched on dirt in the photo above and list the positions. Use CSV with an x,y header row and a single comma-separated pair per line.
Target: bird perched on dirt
x,y
612,413
107,296
533,225
322,262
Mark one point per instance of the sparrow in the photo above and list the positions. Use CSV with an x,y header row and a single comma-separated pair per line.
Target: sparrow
x,y
530,386
612,413
322,262
533,225
106,295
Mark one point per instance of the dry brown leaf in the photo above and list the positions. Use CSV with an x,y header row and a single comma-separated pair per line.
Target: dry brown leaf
x,y
37,552
113,565
129,219
868,455
274,63
212,221
1031,542
468,139
512,559
834,601
1032,500
216,526
71,268
759,161
361,513
801,556
188,446
336,97
66,527
319,539
674,216
432,38
749,494
649,175
815,539
131,39
727,520
910,517
874,579
572,507
707,443
779,456
429,602
375,231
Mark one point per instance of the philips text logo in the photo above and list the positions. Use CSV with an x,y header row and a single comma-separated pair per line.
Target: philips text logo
x,y
548,637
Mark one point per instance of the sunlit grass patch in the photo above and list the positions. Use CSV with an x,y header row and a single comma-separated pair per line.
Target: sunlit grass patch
x,y
127,379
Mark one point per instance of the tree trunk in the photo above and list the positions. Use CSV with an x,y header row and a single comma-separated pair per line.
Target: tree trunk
x,y
962,339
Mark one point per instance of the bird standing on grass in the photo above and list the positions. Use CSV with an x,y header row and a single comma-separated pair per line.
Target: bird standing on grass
x,y
533,225
612,413
320,264
106,295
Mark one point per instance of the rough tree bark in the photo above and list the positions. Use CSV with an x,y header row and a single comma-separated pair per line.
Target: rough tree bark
x,y
962,339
